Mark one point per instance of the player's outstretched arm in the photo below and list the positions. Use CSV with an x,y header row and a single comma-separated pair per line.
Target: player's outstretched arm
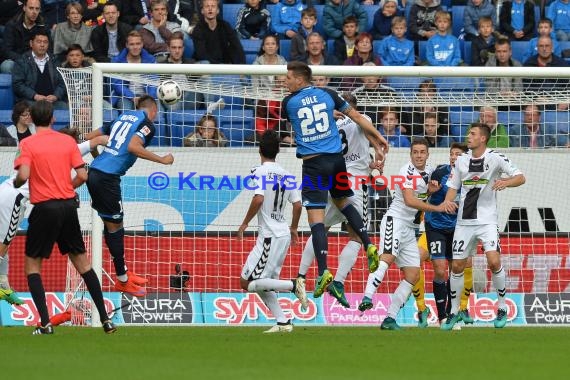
x,y
91,135
254,207
137,148
378,142
80,177
514,181
297,208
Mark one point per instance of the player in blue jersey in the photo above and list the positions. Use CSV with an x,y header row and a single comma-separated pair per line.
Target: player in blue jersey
x,y
439,230
310,112
129,135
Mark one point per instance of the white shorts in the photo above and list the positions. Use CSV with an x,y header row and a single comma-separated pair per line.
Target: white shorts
x,y
399,239
466,237
359,200
266,258
12,209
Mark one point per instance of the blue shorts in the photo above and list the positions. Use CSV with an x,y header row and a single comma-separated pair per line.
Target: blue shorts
x,y
440,243
105,191
323,174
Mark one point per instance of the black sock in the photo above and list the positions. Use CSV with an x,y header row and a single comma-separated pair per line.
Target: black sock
x,y
355,220
440,295
320,245
94,287
301,275
39,296
116,244
448,308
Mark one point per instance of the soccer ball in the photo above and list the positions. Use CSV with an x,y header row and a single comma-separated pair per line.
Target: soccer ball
x,y
169,92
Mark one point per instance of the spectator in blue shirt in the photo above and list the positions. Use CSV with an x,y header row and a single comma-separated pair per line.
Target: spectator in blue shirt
x,y
396,50
286,18
544,29
443,48
390,129
517,19
559,13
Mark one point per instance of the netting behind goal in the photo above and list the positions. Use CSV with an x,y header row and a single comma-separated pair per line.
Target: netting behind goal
x,y
181,220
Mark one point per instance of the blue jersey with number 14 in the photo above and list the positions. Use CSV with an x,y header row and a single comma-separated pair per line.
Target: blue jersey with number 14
x,y
310,112
116,158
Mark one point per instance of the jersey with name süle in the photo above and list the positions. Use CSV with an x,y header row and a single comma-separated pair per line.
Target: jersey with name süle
x,y
355,146
475,177
310,112
277,187
417,180
116,158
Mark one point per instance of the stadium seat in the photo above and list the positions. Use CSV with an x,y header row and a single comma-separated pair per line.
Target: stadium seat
x,y
466,51
536,19
405,86
6,117
422,51
285,49
457,19
62,119
560,119
188,48
238,126
519,49
251,46
230,12
370,10
459,123
319,27
508,118
6,93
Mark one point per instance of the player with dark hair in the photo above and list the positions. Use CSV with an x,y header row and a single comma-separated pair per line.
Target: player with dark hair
x,y
356,152
439,232
261,271
129,135
310,112
398,232
46,159
479,176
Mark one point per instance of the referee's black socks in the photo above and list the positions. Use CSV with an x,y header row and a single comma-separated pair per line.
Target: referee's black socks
x,y
94,287
39,296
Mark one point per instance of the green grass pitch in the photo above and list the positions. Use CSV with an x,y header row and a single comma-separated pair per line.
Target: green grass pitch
x,y
307,353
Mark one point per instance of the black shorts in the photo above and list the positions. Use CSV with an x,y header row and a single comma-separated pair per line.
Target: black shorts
x,y
105,191
323,174
54,221
440,242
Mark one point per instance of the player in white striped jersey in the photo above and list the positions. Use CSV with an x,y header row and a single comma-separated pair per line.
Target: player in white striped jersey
x,y
479,175
261,270
398,232
13,202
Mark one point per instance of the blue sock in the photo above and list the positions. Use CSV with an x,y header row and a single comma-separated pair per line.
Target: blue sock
x,y
440,295
320,245
116,244
355,220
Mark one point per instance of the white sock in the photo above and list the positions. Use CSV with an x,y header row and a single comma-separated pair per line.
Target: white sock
x,y
456,285
4,265
307,257
499,282
374,279
270,284
270,300
346,260
399,298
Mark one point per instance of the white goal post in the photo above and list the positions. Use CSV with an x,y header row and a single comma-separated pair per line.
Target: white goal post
x,y
194,228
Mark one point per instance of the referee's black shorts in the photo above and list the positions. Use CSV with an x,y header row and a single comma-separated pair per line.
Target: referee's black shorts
x,y
54,221
106,198
321,175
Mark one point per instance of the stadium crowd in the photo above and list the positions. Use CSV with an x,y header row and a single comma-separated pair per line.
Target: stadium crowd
x,y
37,37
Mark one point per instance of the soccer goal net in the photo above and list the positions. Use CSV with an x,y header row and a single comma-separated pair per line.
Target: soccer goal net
x,y
181,220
